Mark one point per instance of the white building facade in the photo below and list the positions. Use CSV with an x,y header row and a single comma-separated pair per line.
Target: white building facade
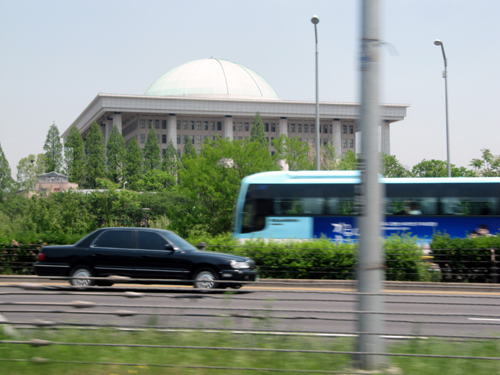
x,y
208,98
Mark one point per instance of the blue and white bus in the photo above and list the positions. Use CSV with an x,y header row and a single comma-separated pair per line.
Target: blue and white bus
x,y
311,204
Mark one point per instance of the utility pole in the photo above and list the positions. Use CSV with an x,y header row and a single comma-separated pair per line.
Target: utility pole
x,y
370,265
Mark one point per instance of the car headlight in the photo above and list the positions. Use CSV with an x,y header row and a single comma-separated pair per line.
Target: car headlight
x,y
236,264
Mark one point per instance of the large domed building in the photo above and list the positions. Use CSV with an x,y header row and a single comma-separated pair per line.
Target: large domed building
x,y
212,97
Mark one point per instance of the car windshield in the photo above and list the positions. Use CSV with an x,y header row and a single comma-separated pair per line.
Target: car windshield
x,y
178,241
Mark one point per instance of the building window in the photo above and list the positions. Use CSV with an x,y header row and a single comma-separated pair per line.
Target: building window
x,y
184,139
158,138
351,129
299,128
344,143
266,127
192,125
351,143
178,139
292,126
143,124
205,125
331,129
306,128
273,127
163,138
219,125
312,128
150,124
234,126
157,124
206,137
325,129
344,129
272,153
313,141
214,137
267,139
240,126
212,125
325,141
192,139
240,138
198,139
179,152
185,125
163,124
247,126
198,125
163,152
306,140
143,138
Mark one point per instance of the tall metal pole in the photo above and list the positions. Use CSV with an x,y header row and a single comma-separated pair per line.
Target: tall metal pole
x,y
437,42
370,265
315,21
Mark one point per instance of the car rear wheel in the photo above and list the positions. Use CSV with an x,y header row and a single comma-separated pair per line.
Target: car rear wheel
x,y
205,278
81,273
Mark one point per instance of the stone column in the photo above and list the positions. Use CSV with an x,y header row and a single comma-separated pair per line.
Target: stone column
x,y
283,126
337,136
108,130
228,127
172,129
117,120
385,137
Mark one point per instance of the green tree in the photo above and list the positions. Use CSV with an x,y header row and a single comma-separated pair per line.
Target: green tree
x,y
170,162
74,155
189,151
349,161
95,156
391,167
329,160
152,156
156,180
439,168
134,163
212,180
293,152
115,153
488,165
28,170
6,181
53,150
257,133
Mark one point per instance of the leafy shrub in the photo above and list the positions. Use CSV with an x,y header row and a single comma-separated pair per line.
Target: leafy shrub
x,y
464,259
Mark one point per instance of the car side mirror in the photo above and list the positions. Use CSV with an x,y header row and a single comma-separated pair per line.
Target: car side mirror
x,y
169,247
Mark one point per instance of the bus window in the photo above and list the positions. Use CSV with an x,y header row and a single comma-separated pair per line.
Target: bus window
x,y
411,206
468,206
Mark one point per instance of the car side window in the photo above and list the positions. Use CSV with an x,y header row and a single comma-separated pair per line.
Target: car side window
x,y
151,241
122,239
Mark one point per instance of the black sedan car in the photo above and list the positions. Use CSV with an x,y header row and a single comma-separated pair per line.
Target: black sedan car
x,y
142,253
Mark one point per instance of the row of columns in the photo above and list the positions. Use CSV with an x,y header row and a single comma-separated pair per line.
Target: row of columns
x,y
227,130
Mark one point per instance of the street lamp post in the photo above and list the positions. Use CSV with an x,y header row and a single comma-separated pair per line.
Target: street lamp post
x,y
437,42
315,21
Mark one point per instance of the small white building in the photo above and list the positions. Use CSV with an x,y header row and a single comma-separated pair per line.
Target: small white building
x,y
205,98
52,182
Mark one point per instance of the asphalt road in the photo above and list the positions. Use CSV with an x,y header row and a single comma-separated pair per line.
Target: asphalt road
x,y
281,309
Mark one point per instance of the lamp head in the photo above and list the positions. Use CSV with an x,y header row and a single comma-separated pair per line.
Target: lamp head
x,y
315,20
437,42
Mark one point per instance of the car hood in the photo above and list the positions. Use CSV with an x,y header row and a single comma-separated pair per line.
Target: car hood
x,y
227,257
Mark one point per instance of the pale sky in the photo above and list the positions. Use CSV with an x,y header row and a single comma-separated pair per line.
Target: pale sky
x,y
57,55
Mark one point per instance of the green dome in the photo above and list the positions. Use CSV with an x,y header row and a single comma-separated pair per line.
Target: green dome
x,y
212,78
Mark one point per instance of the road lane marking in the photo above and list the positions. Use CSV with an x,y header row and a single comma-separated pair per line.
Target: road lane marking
x,y
485,319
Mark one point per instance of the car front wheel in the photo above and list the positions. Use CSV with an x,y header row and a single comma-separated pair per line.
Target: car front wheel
x,y
206,279
80,274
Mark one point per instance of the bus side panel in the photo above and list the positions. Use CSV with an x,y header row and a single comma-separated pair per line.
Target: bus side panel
x,y
279,227
345,228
